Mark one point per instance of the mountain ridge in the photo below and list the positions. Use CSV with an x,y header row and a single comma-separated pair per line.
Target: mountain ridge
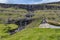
x,y
32,7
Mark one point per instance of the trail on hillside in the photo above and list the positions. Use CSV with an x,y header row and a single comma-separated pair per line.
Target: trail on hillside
x,y
46,25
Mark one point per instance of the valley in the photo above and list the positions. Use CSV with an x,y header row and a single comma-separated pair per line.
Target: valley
x,y
30,22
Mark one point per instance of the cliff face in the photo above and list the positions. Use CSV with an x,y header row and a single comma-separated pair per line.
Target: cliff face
x,y
55,6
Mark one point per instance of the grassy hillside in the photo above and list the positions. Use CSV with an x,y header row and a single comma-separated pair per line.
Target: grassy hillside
x,y
53,15
32,30
36,34
11,13
4,29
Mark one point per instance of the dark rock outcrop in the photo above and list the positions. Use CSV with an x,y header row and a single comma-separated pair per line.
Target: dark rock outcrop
x,y
32,7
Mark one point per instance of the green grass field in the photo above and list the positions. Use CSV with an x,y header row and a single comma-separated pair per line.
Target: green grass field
x,y
36,34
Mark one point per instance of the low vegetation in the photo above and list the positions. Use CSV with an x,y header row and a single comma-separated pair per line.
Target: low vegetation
x,y
4,29
53,22
31,32
36,34
53,15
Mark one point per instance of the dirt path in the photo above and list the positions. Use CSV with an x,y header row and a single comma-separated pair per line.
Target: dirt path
x,y
46,25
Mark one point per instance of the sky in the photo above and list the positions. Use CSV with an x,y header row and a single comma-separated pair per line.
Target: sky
x,y
27,1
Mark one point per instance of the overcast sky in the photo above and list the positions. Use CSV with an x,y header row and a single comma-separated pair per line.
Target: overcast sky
x,y
27,1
